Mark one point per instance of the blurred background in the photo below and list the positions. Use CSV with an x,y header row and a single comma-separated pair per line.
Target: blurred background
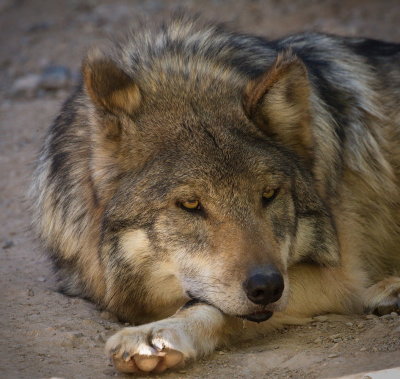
x,y
48,38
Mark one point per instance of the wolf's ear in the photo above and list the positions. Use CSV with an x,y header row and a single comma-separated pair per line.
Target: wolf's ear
x,y
279,103
108,85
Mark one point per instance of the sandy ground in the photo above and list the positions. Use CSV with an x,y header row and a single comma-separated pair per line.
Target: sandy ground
x,y
44,334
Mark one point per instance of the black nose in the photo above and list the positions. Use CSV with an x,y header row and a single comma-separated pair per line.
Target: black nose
x,y
264,285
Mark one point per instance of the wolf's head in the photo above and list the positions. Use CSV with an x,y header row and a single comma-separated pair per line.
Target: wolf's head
x,y
206,179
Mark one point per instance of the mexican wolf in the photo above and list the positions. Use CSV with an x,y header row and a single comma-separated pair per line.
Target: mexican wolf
x,y
199,177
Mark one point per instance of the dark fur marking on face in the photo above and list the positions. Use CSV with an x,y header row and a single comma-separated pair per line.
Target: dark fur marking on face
x,y
192,303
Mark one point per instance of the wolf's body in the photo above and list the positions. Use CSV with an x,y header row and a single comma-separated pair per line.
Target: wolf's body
x,y
193,159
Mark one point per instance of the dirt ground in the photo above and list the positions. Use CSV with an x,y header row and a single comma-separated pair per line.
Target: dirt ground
x,y
44,334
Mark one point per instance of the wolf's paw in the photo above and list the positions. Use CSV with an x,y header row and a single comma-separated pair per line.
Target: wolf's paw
x,y
149,348
384,296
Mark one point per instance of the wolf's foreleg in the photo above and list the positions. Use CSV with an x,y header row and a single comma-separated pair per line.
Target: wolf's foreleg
x,y
193,331
316,290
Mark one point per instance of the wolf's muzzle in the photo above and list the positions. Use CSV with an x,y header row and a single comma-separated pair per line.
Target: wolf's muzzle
x,y
264,285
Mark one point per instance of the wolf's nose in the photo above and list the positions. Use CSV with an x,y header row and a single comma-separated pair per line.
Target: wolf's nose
x,y
264,285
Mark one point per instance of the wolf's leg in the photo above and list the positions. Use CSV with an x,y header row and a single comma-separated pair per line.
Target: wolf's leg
x,y
317,290
384,296
191,332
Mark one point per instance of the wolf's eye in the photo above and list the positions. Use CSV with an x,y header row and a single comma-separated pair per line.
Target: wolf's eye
x,y
269,195
190,205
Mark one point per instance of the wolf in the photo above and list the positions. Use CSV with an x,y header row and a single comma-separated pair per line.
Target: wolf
x,y
199,177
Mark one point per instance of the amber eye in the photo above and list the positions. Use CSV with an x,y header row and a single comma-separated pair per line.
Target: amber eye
x,y
269,195
190,205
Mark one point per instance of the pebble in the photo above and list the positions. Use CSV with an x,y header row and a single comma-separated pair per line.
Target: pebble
x,y
334,355
55,77
30,292
370,317
335,346
360,325
318,340
26,85
363,349
349,323
8,244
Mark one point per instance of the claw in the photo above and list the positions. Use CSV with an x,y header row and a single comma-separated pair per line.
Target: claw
x,y
126,356
115,349
128,367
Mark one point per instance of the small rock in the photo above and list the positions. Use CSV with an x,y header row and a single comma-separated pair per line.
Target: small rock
x,y
349,323
8,244
360,325
41,279
393,314
334,336
370,317
30,292
374,349
55,77
221,352
335,346
333,355
363,349
26,85
318,340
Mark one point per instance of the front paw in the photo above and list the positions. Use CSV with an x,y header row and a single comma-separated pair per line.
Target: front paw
x,y
150,348
384,296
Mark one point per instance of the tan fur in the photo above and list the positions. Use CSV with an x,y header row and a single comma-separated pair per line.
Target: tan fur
x,y
268,96
192,113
